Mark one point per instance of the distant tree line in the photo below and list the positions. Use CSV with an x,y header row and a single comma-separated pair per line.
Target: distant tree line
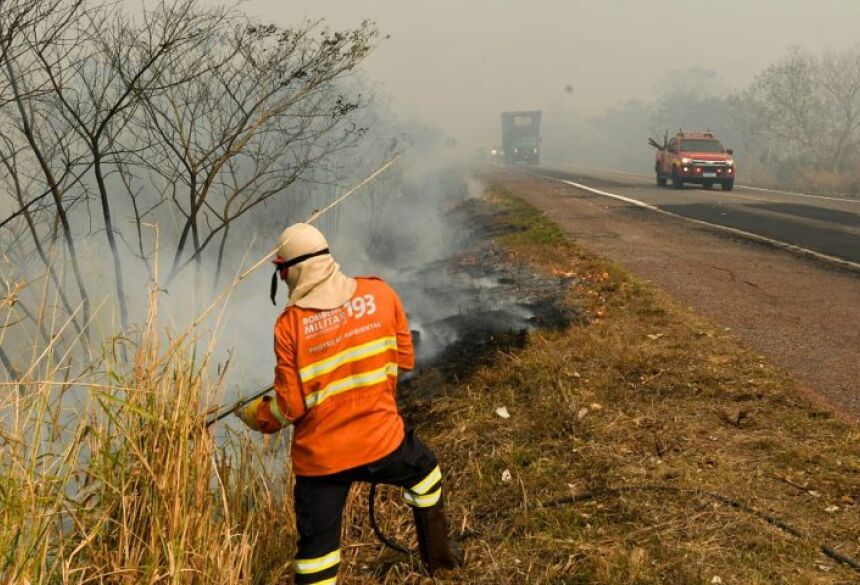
x,y
797,125
182,116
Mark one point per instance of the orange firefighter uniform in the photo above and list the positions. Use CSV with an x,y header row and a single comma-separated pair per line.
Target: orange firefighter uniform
x,y
339,345
336,373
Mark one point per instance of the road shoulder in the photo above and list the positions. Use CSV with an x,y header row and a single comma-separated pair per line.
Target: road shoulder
x,y
803,315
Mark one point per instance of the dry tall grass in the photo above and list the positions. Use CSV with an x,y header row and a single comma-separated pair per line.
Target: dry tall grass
x,y
111,478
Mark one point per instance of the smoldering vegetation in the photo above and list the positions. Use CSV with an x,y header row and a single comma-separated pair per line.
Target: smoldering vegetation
x,y
797,125
146,162
433,241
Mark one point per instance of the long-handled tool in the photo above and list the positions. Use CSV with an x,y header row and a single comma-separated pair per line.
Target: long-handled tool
x,y
225,412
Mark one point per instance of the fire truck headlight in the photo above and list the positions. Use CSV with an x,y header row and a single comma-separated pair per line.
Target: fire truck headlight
x,y
686,161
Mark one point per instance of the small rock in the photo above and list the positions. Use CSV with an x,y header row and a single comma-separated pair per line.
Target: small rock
x,y
595,406
502,411
583,412
716,580
831,509
506,476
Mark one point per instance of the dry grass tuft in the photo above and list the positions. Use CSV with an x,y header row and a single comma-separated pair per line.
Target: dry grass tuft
x,y
110,478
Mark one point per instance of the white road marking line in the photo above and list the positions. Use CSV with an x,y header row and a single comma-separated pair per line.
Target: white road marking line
x,y
751,188
749,235
827,197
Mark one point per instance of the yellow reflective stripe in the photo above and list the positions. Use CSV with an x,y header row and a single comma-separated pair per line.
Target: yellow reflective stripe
x,y
331,581
351,383
350,355
308,566
275,409
425,484
422,501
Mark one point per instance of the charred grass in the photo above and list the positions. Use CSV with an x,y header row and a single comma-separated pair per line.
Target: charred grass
x,y
658,416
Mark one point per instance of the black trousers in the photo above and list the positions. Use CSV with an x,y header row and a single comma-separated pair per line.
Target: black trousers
x,y
320,500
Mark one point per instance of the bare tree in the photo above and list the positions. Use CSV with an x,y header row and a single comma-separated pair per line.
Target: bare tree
x,y
811,104
29,213
840,83
114,65
265,113
195,112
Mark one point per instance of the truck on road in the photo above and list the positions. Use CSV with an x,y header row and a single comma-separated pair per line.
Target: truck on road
x,y
521,137
694,157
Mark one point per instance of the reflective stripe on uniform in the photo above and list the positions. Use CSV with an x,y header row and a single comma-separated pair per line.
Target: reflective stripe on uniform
x,y
351,383
308,566
331,581
428,482
275,409
350,355
418,501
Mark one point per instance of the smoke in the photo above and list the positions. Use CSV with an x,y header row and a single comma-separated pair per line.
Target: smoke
x,y
414,226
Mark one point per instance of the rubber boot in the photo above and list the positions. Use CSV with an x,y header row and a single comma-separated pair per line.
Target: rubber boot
x,y
438,552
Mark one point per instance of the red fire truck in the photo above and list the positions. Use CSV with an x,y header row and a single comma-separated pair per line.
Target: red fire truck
x,y
694,157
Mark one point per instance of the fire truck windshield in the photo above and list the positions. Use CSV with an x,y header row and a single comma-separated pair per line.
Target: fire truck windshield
x,y
702,146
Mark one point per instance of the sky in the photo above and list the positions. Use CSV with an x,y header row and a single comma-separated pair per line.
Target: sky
x,y
457,64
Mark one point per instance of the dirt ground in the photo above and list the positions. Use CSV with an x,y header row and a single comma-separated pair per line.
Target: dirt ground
x,y
803,315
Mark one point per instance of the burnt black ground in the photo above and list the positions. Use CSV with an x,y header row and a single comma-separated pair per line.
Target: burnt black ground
x,y
492,302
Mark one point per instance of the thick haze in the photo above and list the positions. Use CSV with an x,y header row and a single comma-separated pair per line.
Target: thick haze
x,y
457,64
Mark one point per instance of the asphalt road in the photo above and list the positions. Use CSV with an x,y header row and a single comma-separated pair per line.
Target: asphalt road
x,y
800,311
829,226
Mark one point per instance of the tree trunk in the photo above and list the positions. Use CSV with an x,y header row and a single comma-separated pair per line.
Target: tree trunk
x,y
117,263
220,263
190,225
55,193
43,256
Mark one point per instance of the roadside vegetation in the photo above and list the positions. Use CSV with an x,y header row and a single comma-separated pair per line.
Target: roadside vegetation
x,y
635,440
119,483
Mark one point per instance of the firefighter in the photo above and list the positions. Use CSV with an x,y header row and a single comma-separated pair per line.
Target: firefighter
x,y
339,345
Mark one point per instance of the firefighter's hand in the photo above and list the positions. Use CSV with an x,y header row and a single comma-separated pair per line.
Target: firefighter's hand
x,y
248,413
